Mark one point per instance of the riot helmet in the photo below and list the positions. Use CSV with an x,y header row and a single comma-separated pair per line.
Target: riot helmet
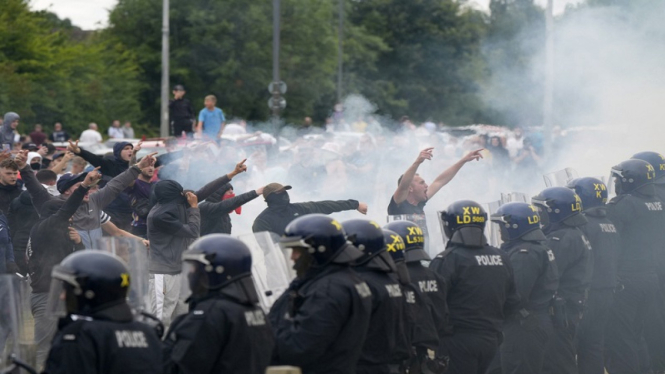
x,y
220,263
394,245
319,240
656,160
86,282
592,192
630,175
559,205
367,236
413,238
463,214
518,221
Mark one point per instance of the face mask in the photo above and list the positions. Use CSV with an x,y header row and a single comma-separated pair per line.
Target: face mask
x,y
36,166
280,199
303,264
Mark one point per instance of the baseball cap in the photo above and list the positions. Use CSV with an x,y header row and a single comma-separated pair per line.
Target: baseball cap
x,y
274,187
68,180
178,87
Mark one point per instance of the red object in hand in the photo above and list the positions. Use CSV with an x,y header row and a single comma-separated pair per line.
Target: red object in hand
x,y
229,195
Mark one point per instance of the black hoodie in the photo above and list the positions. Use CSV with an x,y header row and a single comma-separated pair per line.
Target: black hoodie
x,y
8,193
215,217
22,217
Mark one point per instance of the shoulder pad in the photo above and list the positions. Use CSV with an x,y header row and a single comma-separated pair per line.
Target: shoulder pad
x,y
616,199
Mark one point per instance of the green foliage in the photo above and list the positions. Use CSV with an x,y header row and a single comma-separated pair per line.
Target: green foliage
x,y
51,72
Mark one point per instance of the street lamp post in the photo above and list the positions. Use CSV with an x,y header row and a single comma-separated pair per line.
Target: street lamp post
x,y
340,51
549,77
164,111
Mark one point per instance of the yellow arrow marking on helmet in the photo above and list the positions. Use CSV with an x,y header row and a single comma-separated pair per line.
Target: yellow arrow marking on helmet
x,y
336,224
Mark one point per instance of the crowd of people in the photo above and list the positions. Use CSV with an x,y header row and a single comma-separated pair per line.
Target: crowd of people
x,y
575,287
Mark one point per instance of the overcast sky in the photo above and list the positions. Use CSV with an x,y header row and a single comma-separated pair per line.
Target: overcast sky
x,y
93,14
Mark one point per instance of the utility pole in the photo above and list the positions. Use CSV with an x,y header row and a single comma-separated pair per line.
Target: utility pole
x,y
340,51
548,97
164,111
275,101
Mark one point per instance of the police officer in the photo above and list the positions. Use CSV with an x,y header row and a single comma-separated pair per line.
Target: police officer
x,y
536,278
321,321
225,331
423,337
481,289
561,216
655,334
637,214
432,286
387,346
604,239
99,333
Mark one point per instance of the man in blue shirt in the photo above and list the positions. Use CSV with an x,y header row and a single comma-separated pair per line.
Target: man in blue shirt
x,y
211,119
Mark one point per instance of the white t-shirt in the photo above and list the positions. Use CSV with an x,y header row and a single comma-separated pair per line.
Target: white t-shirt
x,y
234,129
514,146
90,136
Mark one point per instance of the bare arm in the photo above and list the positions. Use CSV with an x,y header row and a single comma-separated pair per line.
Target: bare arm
x,y
448,174
403,188
113,230
213,186
62,165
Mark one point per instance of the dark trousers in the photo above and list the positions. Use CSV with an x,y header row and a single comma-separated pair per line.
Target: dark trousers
x,y
625,328
524,343
469,352
654,333
178,127
591,332
560,348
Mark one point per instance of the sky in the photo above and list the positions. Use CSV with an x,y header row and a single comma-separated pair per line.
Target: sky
x,y
93,14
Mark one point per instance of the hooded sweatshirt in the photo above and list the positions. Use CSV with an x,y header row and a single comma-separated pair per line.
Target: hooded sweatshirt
x,y
173,225
6,131
215,211
22,217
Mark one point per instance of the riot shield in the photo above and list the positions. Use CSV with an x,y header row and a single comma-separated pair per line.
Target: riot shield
x,y
135,255
421,221
560,178
514,197
16,342
493,232
272,270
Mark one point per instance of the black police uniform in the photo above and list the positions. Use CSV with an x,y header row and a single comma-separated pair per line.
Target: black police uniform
x,y
432,288
108,342
638,218
481,291
605,241
219,335
572,253
526,332
386,346
321,322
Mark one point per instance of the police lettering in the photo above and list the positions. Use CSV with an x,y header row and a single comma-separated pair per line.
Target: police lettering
x,y
428,286
131,339
489,260
394,290
607,227
533,219
410,297
363,290
255,318
654,206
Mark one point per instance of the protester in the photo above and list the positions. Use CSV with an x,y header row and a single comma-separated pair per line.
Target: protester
x,y
10,186
115,131
91,135
58,135
9,125
181,113
216,209
139,193
128,130
211,119
51,240
37,136
280,211
174,222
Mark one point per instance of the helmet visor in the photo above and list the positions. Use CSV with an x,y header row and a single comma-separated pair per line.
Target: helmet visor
x,y
58,300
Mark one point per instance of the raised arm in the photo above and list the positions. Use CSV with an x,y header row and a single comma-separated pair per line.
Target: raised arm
x,y
62,164
231,204
118,184
37,191
213,186
450,173
168,222
403,188
106,165
330,206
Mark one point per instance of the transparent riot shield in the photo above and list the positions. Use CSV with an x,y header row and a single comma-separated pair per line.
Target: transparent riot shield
x,y
493,232
421,221
514,197
560,178
272,270
16,343
135,255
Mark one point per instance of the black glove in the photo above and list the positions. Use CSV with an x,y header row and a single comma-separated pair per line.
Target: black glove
x,y
12,268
